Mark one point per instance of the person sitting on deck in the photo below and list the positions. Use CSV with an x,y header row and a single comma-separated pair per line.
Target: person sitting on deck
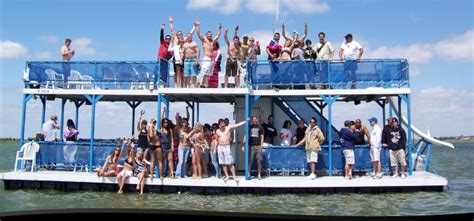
x,y
140,170
396,142
127,170
225,155
111,162
312,140
347,137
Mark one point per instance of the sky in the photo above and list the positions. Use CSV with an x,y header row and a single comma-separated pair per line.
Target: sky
x,y
437,38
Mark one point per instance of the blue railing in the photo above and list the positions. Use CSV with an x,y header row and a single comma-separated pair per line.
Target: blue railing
x,y
96,74
386,73
293,159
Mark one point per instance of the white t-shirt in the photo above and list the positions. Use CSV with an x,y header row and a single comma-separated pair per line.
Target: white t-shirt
x,y
376,137
351,50
50,130
324,53
286,140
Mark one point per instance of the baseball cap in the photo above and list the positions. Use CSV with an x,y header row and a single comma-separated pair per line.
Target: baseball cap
x,y
373,119
348,123
348,35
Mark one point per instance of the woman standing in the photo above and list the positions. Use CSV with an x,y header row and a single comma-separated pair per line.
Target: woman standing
x,y
167,143
184,148
198,142
127,170
285,134
143,134
217,58
155,149
213,152
70,132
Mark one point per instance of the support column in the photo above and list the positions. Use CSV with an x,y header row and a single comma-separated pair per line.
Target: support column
x,y
197,111
63,102
78,104
133,105
406,98
26,98
247,107
93,99
330,101
383,112
158,111
43,110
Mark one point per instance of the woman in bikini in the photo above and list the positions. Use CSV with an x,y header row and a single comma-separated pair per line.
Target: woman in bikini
x,y
127,171
110,166
167,144
140,170
198,142
155,149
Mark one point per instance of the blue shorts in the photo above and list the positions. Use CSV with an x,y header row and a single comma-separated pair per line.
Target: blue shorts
x,y
190,67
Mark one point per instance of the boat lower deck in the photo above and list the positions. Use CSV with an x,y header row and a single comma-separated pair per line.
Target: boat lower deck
x,y
74,181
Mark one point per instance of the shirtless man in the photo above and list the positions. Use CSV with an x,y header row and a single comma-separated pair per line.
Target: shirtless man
x,y
208,46
223,147
233,55
67,53
191,60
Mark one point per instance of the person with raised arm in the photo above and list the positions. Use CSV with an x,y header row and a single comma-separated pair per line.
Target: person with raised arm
x,y
110,165
208,43
190,50
155,149
295,34
176,46
233,56
127,170
226,159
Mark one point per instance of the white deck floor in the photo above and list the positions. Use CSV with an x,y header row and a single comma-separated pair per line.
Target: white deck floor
x,y
418,179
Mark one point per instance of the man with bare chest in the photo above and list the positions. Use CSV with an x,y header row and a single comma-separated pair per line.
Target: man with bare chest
x,y
233,56
223,147
191,60
208,47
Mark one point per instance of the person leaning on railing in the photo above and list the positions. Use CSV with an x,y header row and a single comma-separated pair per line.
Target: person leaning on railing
x,y
312,140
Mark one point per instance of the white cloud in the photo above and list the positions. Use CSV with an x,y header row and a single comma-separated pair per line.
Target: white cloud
x,y
261,6
459,47
415,53
83,47
11,50
51,39
44,55
221,6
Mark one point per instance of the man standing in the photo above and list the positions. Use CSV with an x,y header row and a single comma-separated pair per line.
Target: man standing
x,y
347,137
255,145
351,51
67,54
269,131
312,141
309,51
50,129
300,131
208,46
375,143
233,57
191,60
361,131
396,142
273,48
223,147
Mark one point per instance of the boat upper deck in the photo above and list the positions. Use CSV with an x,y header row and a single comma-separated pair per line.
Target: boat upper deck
x,y
144,81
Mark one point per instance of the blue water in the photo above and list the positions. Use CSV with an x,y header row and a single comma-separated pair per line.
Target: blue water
x,y
455,164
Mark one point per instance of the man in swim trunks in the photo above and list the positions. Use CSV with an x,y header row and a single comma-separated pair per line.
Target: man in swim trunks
x,y
191,60
233,56
208,46
223,147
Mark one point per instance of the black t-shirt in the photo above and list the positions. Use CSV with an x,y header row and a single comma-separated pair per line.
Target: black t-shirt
x,y
300,132
255,132
269,132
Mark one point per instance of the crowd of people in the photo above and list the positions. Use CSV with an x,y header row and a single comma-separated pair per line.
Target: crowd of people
x,y
195,69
